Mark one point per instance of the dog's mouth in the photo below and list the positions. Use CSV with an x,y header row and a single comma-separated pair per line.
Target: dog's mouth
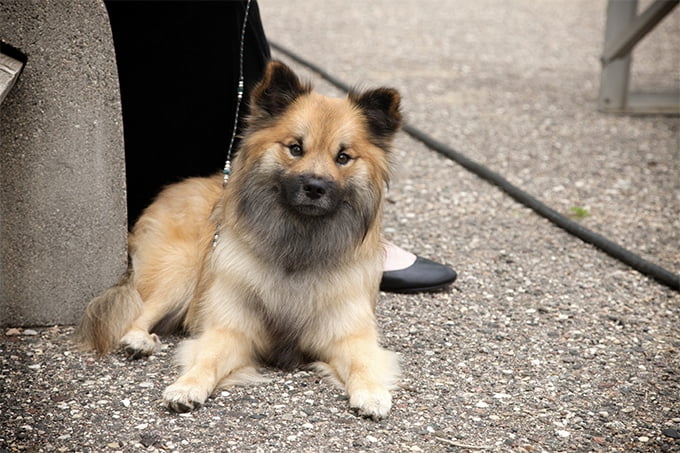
x,y
311,210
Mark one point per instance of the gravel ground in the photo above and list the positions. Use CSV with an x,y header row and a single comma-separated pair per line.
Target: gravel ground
x,y
543,344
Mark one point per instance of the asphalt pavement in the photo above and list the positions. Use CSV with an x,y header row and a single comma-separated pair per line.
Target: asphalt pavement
x,y
544,343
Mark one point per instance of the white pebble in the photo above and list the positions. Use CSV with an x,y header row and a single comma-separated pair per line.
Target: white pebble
x,y
371,439
482,405
562,433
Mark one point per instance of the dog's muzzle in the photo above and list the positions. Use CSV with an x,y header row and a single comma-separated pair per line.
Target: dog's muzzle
x,y
311,195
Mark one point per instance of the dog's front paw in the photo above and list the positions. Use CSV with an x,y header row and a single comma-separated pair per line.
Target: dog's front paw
x,y
375,404
182,398
138,344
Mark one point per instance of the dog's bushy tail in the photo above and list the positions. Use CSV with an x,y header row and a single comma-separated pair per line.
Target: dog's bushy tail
x,y
108,316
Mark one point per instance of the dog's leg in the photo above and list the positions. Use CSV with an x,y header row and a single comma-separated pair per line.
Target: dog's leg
x,y
138,341
367,371
207,360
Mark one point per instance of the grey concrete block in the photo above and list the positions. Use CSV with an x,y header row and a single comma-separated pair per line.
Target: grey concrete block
x,y
62,185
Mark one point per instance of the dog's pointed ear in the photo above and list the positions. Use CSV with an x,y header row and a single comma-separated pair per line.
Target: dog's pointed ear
x,y
381,107
277,90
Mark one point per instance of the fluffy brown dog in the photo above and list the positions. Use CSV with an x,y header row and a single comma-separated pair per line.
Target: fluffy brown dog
x,y
292,275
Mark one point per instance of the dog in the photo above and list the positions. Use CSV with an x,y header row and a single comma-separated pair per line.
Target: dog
x,y
281,266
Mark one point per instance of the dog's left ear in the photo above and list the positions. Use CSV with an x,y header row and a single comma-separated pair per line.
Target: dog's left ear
x,y
277,90
381,109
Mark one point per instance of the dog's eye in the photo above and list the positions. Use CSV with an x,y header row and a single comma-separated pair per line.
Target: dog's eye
x,y
343,158
295,150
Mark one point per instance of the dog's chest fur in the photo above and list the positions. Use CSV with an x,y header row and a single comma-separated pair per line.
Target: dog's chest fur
x,y
292,308
292,311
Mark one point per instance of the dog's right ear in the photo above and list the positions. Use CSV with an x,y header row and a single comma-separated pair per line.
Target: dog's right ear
x,y
277,90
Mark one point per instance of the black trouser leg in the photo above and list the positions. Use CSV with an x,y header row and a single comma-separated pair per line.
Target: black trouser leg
x,y
178,65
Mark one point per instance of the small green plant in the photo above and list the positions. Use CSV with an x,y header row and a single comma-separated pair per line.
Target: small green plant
x,y
579,212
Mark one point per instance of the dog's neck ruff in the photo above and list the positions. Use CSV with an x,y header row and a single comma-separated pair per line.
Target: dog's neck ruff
x,y
226,171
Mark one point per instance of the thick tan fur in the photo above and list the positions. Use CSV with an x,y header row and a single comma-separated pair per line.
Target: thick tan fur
x,y
267,291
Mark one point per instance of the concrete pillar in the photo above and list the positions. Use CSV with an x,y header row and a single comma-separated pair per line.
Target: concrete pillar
x,y
62,182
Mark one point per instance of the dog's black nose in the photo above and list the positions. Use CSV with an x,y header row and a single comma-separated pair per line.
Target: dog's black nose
x,y
314,188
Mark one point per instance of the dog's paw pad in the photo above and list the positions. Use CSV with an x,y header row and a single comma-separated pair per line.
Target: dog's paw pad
x,y
134,354
182,398
181,408
371,404
138,344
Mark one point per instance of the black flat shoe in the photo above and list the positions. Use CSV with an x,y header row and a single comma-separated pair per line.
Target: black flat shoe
x,y
423,275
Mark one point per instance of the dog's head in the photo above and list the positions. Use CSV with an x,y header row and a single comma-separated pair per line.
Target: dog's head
x,y
320,146
313,160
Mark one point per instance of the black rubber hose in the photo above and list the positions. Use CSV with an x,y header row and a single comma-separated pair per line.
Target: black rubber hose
x,y
611,248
